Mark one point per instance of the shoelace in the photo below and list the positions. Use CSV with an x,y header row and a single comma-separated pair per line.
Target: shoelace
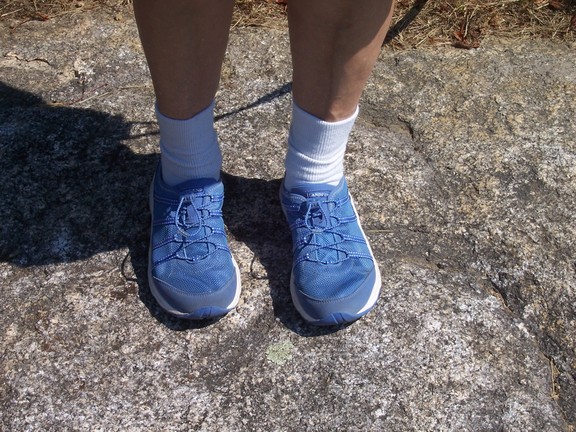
x,y
317,216
323,242
325,236
196,234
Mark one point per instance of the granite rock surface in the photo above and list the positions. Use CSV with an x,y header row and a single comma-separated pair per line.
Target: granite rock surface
x,y
463,168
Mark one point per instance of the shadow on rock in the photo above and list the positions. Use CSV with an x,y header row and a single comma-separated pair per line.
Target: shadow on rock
x,y
70,189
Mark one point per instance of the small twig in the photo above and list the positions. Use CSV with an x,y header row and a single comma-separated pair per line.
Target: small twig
x,y
424,38
123,269
91,97
554,373
94,96
10,13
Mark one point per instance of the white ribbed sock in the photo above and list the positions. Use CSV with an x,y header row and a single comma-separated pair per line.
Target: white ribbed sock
x,y
189,148
315,149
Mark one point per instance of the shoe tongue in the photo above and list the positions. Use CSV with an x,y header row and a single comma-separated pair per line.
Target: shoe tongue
x,y
191,212
313,192
195,184
192,216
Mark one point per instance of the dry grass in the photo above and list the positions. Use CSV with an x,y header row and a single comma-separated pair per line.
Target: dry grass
x,y
462,23
465,23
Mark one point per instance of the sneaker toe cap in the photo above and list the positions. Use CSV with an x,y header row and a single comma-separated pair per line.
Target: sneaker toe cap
x,y
205,295
346,300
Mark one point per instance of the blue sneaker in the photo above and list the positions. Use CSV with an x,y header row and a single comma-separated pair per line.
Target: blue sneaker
x,y
335,278
191,271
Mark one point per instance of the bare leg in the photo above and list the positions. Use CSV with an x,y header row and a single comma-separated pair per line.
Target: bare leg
x,y
184,42
335,44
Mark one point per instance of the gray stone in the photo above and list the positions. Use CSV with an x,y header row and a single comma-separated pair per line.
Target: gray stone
x,y
462,165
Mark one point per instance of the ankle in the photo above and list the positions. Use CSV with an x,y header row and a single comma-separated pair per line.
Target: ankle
x,y
316,149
